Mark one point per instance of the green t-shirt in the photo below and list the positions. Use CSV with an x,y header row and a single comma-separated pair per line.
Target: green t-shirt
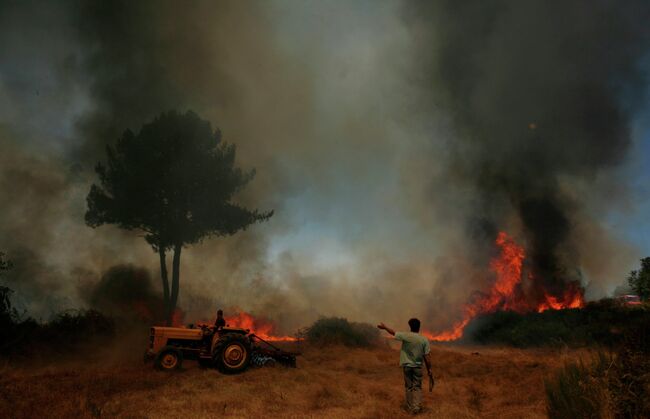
x,y
414,347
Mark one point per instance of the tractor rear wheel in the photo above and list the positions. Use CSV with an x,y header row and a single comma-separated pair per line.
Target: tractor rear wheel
x,y
232,353
169,359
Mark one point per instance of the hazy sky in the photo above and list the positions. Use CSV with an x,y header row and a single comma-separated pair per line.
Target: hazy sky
x,y
349,115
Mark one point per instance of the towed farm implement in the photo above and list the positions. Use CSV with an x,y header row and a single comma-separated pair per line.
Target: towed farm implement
x,y
229,349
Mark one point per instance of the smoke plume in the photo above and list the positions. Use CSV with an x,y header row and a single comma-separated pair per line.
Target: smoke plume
x,y
393,140
540,100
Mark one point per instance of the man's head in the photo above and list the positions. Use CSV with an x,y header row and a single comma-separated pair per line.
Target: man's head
x,y
414,324
219,313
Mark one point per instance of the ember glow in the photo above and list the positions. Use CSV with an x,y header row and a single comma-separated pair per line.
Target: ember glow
x,y
509,292
261,327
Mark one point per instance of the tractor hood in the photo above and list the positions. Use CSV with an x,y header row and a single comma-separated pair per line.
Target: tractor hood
x,y
177,333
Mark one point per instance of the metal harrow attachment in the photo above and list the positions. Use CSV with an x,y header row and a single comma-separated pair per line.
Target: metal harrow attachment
x,y
270,355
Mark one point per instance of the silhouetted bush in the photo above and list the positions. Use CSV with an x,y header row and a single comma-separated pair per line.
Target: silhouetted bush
x,y
334,330
602,322
67,331
77,326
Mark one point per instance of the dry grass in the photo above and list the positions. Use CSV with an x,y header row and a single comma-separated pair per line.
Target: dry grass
x,y
333,382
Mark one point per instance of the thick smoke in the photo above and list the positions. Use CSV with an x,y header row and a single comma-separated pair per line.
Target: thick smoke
x,y
540,98
393,140
299,97
126,292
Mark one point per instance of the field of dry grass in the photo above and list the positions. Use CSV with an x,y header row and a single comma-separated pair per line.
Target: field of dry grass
x,y
334,382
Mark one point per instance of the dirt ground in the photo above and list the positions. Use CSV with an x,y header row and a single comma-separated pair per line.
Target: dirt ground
x,y
335,382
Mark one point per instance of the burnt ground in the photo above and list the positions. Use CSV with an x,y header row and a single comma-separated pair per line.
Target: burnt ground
x,y
333,382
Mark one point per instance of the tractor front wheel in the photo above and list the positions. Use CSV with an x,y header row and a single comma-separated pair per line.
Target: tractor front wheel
x,y
169,359
232,353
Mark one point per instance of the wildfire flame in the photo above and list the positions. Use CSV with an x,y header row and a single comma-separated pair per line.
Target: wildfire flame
x,y
261,327
507,294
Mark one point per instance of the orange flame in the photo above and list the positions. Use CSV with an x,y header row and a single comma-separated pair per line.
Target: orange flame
x,y
570,299
261,327
506,292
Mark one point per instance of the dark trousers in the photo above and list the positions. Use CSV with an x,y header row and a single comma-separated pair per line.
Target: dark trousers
x,y
413,387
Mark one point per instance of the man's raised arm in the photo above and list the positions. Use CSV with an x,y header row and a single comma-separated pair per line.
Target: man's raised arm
x,y
386,328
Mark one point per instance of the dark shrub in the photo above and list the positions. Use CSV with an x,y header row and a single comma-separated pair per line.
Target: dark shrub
x,y
65,332
334,330
602,323
76,326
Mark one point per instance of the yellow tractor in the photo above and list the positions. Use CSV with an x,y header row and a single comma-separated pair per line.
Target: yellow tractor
x,y
229,349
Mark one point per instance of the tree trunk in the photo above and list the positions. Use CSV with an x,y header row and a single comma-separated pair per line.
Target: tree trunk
x,y
165,284
176,267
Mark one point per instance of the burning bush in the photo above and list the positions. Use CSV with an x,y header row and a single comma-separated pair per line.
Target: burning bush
x,y
514,289
335,330
262,327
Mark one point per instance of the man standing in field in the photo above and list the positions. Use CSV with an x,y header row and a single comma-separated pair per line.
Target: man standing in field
x,y
415,349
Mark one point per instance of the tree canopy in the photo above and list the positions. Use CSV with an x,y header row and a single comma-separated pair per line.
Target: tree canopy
x,y
640,280
174,180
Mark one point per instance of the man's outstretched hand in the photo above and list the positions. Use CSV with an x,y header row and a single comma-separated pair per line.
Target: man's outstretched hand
x,y
386,328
